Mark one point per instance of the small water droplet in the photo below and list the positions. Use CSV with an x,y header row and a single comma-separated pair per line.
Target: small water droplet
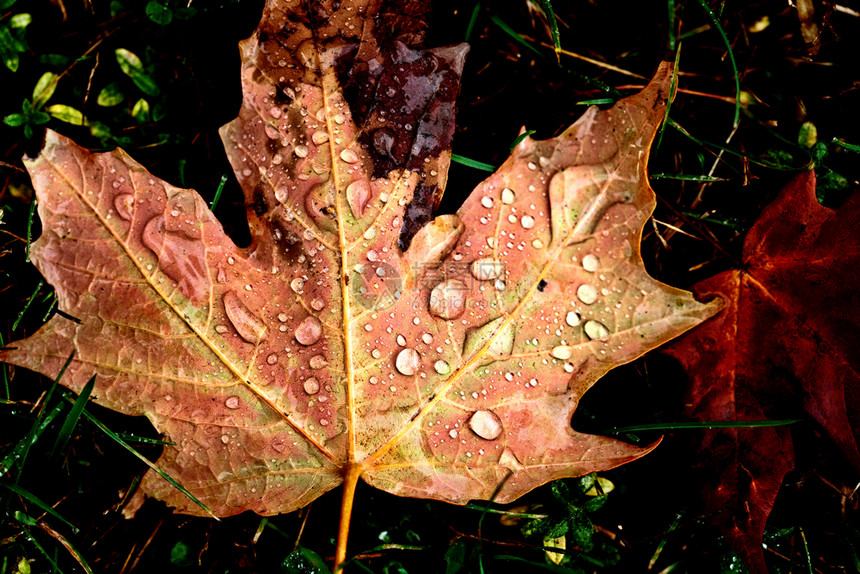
x,y
408,361
311,386
453,433
225,439
302,150
317,304
297,285
357,192
376,353
590,263
272,359
562,352
349,156
232,402
250,327
508,196
527,221
318,362
573,319
442,367
487,202
309,331
486,268
427,338
319,138
596,330
401,340
221,329
282,317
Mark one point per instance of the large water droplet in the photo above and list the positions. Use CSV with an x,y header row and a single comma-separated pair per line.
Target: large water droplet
x,y
562,352
232,402
448,299
319,137
485,424
357,195
508,196
349,156
573,319
124,204
408,362
250,327
309,331
318,362
442,367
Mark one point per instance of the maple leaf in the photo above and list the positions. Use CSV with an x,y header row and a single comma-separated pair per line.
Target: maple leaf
x,y
787,339
353,338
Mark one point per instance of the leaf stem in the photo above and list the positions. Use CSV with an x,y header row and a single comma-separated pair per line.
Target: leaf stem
x,y
350,481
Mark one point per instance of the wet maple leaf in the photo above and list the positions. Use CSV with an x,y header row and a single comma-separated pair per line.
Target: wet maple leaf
x,y
353,338
786,342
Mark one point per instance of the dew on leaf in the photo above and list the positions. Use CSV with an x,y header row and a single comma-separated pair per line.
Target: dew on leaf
x,y
590,263
486,424
318,362
309,331
587,293
442,367
486,268
572,318
250,327
124,204
232,402
349,156
596,330
562,352
311,386
272,359
408,361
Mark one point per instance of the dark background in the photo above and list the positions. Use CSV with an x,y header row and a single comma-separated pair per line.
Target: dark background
x,y
195,63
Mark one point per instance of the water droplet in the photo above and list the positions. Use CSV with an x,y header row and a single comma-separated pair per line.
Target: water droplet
x,y
573,319
357,193
349,156
453,433
312,386
486,268
376,353
508,196
319,138
537,244
282,317
272,359
221,329
317,304
309,331
596,330
281,193
318,362
587,293
500,285
250,327
562,352
302,150
590,263
324,422
370,233
427,338
401,340
297,285
442,367
487,202
339,119
408,361
527,221
225,439
232,402
448,299
124,204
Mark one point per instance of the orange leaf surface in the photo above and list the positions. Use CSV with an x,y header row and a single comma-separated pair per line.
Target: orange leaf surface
x,y
786,342
354,338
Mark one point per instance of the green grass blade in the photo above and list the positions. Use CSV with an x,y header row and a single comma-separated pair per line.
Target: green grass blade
x,y
144,439
23,521
472,163
218,191
846,145
595,102
706,425
148,463
30,229
513,34
553,27
73,417
671,12
520,138
673,90
36,501
27,305
687,177
716,23
472,20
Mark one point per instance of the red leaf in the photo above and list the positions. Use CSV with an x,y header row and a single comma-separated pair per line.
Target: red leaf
x,y
787,340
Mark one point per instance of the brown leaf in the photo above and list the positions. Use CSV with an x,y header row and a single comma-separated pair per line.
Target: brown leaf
x,y
350,339
787,341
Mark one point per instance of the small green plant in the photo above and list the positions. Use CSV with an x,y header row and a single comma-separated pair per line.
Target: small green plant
x,y
12,29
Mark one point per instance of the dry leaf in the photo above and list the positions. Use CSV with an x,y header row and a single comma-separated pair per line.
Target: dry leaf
x,y
786,342
350,339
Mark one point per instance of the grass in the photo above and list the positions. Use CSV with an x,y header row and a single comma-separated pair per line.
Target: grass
x,y
160,85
